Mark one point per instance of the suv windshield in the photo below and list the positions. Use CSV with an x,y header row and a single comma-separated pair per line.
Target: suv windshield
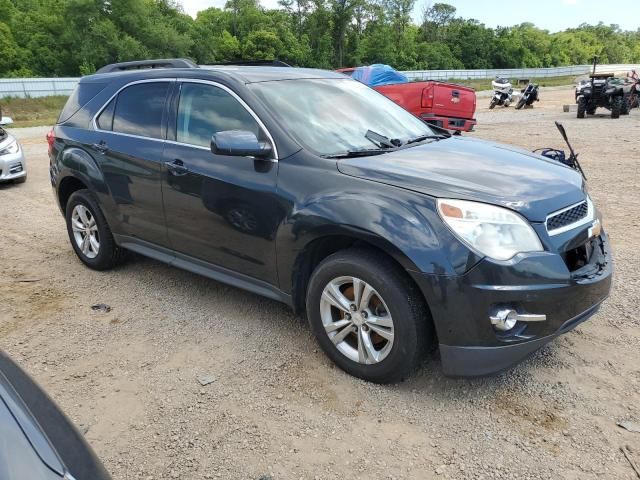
x,y
333,116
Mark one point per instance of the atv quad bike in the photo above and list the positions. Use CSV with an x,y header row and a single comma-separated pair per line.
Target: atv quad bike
x,y
601,91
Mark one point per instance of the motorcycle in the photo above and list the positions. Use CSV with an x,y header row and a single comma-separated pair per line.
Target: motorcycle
x,y
632,96
529,95
502,92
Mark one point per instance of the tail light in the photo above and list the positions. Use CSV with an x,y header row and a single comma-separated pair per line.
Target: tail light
x,y
51,138
427,97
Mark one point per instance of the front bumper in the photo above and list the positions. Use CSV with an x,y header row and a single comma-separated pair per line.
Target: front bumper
x,y
536,283
13,165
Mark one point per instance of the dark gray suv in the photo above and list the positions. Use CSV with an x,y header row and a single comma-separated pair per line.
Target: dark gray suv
x,y
310,188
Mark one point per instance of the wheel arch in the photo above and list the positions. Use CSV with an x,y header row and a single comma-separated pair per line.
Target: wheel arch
x,y
75,169
323,246
67,187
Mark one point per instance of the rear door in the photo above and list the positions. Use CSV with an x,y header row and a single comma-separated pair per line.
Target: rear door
x,y
130,142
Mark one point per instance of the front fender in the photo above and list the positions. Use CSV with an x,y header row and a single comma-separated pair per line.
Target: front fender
x,y
404,225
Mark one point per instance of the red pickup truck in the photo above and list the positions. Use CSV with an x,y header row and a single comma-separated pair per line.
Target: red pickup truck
x,y
443,104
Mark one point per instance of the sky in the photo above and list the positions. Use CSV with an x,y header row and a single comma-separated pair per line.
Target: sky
x,y
553,15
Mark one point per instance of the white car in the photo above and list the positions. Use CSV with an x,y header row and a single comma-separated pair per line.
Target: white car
x,y
13,165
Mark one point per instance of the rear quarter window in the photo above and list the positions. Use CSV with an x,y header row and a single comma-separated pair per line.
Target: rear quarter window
x,y
105,119
83,93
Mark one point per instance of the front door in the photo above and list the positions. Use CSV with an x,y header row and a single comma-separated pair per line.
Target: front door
x,y
220,209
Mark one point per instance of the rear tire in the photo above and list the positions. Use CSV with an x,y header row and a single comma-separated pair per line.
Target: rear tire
x,y
626,105
582,107
616,107
395,298
91,238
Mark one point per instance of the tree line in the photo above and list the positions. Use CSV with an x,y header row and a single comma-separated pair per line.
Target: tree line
x,y
72,37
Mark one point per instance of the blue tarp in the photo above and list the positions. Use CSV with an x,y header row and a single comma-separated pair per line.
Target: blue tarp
x,y
378,74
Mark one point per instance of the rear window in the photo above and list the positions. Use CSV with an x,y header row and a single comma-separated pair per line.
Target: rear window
x,y
139,109
79,98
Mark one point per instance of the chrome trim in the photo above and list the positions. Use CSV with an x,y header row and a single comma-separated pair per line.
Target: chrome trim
x,y
587,218
500,318
94,124
200,147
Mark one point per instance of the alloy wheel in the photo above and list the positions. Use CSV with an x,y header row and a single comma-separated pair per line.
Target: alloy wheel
x,y
85,231
357,320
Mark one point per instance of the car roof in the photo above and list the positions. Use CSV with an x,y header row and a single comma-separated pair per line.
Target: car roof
x,y
246,74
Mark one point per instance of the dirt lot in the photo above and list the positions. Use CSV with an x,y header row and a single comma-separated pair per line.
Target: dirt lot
x,y
277,407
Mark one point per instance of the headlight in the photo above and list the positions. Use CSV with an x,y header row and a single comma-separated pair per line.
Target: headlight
x,y
11,148
493,231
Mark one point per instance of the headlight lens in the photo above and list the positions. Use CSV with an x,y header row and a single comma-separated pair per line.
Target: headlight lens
x,y
493,231
11,148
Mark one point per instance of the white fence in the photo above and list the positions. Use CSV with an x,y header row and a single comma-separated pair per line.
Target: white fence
x,y
36,87
527,73
42,87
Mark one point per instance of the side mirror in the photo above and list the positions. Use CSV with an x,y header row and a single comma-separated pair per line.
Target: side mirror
x,y
5,121
239,143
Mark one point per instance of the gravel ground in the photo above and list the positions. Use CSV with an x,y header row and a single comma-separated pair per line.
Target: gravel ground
x,y
276,407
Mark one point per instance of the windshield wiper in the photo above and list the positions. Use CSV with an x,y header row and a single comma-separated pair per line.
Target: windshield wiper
x,y
381,140
422,138
365,152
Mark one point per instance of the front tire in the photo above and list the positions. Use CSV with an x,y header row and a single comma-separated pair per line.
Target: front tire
x,y
492,104
520,103
89,233
367,316
582,107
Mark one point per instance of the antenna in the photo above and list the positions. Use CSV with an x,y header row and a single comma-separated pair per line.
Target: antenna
x,y
573,158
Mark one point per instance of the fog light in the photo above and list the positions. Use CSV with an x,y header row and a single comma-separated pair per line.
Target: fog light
x,y
504,319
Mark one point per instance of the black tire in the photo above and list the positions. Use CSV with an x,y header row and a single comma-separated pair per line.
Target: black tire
x,y
20,180
109,254
412,326
582,107
626,105
520,103
492,104
616,107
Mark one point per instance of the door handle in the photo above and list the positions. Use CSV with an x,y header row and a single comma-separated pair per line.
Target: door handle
x,y
100,147
177,167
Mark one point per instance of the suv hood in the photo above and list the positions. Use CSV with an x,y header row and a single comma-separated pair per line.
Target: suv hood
x,y
471,169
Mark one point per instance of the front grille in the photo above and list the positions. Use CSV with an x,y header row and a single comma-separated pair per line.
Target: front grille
x,y
567,217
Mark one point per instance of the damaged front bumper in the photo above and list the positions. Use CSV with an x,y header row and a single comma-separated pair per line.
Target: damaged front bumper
x,y
537,284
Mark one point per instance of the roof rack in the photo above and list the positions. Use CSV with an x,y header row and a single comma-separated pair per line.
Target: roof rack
x,y
255,63
142,64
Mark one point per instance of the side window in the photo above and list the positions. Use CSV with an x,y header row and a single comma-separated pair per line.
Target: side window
x,y
105,120
204,110
139,109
